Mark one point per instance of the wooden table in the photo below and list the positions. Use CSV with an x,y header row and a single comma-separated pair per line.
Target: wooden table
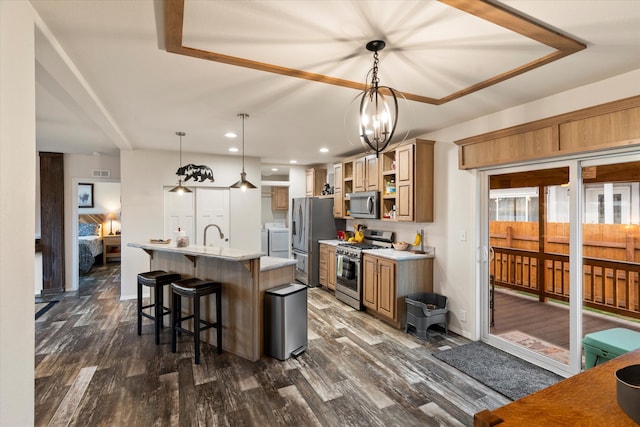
x,y
586,399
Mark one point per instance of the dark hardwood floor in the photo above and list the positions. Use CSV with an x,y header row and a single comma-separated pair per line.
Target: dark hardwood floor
x,y
91,369
546,321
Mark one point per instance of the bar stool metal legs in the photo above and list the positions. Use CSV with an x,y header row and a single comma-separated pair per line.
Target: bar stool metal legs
x,y
195,288
157,280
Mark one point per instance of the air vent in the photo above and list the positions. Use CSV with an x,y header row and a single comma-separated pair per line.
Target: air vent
x,y
97,173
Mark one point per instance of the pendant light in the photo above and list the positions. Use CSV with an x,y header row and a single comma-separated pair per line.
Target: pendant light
x,y
243,184
180,189
378,112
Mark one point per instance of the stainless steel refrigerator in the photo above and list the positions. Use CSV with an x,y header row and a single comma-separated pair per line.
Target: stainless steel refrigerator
x,y
311,220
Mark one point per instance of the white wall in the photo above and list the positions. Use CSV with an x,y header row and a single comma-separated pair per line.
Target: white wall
x,y
17,212
144,173
456,199
298,181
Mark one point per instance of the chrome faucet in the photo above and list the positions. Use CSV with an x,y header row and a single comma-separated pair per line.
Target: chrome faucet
x,y
204,243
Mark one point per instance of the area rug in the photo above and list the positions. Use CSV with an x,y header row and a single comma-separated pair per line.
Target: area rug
x,y
500,371
534,344
43,306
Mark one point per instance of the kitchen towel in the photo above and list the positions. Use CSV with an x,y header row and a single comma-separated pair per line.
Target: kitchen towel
x,y
339,266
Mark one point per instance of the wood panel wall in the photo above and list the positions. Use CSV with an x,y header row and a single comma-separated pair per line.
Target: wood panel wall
x,y
612,125
52,221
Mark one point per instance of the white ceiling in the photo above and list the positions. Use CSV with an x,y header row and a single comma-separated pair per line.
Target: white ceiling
x,y
105,83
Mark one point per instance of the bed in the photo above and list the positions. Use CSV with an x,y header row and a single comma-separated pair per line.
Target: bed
x,y
89,241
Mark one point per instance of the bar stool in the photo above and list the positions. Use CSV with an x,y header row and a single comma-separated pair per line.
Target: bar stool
x,y
156,279
195,288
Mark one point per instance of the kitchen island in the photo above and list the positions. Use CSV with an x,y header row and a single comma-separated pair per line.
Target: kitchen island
x,y
244,276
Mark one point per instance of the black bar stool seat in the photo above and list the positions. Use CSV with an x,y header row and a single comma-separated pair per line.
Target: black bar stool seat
x,y
195,288
156,279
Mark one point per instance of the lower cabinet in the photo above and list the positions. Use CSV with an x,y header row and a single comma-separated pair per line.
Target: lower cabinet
x,y
331,268
327,266
379,279
386,282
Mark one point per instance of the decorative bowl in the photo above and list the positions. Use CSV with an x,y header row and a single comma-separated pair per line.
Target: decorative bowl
x,y
628,391
401,246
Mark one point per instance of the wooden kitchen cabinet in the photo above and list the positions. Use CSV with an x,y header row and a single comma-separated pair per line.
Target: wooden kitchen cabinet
x,y
407,182
327,266
379,279
366,175
347,187
331,268
110,248
338,195
316,178
279,198
323,264
386,283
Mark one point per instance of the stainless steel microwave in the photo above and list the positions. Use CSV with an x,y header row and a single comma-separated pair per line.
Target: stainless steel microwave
x,y
365,204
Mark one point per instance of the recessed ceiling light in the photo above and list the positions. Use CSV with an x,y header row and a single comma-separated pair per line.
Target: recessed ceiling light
x,y
324,150
231,135
233,149
274,169
293,161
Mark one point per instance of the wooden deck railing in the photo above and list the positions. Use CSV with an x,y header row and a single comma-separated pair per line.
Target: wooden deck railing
x,y
611,286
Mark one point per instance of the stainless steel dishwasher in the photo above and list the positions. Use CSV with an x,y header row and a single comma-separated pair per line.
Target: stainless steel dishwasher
x,y
285,320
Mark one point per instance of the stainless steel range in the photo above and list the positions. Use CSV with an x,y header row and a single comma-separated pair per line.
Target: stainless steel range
x,y
349,265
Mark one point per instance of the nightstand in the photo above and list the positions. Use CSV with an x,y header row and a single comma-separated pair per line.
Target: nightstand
x,y
110,248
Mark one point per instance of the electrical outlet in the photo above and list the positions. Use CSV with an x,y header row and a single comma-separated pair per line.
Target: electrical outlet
x,y
463,315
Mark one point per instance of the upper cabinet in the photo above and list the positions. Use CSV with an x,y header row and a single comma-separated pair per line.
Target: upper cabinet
x,y
316,178
407,182
403,175
280,198
347,187
338,195
366,175
354,175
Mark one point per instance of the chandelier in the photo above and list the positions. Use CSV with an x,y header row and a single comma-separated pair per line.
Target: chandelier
x,y
378,112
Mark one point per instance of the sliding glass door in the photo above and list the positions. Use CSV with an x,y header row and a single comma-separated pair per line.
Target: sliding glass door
x,y
611,247
529,269
563,256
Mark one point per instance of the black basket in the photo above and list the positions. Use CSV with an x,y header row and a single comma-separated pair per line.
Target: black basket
x,y
424,310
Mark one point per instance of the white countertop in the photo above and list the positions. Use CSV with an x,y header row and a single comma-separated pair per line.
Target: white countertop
x,y
334,242
271,263
429,252
230,254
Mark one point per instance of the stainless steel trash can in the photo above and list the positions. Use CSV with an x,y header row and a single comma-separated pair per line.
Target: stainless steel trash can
x,y
285,320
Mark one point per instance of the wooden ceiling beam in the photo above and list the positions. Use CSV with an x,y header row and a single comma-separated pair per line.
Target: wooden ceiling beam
x,y
483,9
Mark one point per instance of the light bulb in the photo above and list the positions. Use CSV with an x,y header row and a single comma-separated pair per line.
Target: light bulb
x,y
243,187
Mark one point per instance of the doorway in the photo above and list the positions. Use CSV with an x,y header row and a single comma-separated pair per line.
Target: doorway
x,y
101,229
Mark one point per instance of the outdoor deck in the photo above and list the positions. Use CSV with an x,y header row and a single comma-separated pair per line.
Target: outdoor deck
x,y
547,321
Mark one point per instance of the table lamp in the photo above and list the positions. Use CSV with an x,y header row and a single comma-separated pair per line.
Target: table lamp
x,y
111,216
